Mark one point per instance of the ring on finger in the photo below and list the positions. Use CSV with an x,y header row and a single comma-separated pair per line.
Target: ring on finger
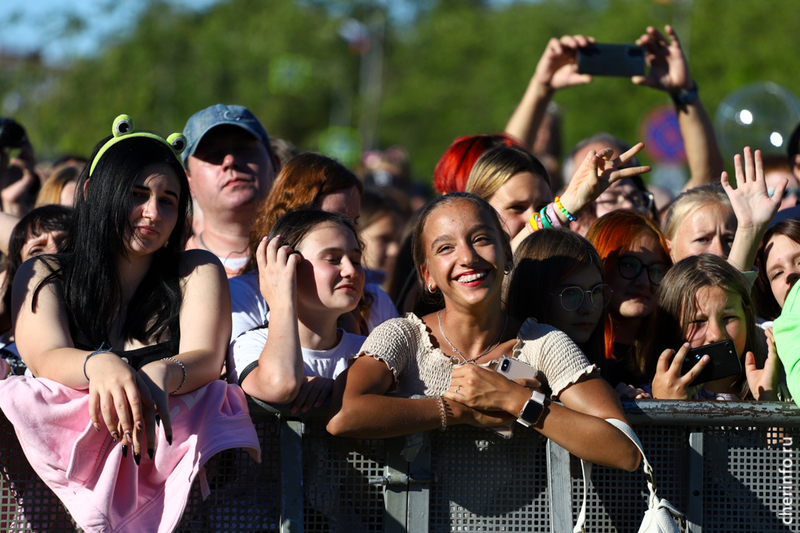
x,y
458,389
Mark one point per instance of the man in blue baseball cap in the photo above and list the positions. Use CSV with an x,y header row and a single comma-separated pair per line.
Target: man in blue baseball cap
x,y
230,167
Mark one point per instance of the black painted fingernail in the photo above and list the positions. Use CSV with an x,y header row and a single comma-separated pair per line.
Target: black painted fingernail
x,y
139,425
128,435
136,458
124,450
169,439
115,436
150,452
158,420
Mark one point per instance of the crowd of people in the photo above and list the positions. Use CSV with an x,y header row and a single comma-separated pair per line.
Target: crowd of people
x,y
223,261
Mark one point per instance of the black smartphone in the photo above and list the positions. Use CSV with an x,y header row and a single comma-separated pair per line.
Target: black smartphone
x,y
724,361
601,59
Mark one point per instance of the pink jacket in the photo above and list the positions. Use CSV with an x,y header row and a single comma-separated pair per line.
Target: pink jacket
x,y
102,490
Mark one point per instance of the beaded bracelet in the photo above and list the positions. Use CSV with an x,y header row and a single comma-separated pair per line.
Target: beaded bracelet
x,y
443,412
97,351
183,367
544,218
552,216
570,216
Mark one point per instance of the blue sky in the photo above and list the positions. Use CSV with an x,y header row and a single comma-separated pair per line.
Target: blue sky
x,y
50,25
46,25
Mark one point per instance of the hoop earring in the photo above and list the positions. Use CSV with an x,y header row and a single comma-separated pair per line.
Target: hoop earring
x,y
507,269
432,290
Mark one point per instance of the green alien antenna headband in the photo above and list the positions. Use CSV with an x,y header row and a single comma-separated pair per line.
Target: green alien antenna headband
x,y
123,129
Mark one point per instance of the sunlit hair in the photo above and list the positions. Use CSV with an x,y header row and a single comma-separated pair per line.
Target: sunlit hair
x,y
677,304
614,234
456,163
301,184
541,262
50,193
766,304
498,165
690,201
88,266
418,237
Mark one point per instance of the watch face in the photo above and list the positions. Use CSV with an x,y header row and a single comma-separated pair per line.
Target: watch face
x,y
532,412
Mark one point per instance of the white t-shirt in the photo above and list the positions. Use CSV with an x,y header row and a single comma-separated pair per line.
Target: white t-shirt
x,y
246,349
250,310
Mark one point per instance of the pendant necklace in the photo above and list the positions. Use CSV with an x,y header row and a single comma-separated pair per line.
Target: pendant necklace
x,y
491,347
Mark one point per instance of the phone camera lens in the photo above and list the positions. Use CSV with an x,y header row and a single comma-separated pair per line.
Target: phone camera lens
x,y
504,366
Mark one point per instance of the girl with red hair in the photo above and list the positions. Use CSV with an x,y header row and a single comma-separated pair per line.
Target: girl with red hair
x,y
635,260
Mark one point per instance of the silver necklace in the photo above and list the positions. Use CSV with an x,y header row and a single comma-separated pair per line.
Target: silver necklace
x,y
491,347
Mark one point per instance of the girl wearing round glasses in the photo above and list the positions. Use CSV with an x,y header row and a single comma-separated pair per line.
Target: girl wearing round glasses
x,y
558,280
635,261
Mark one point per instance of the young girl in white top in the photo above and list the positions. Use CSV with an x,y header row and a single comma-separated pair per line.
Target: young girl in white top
x,y
310,273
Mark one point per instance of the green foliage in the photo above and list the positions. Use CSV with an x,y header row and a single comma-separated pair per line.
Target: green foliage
x,y
459,68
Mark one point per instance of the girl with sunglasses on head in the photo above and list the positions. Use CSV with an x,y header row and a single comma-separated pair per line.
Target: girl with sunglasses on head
x,y
635,261
558,280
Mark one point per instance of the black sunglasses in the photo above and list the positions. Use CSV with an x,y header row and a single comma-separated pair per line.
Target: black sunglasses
x,y
630,267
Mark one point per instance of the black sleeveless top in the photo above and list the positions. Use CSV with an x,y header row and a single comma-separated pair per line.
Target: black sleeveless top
x,y
147,354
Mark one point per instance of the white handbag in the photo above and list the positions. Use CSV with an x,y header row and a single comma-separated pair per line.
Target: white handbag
x,y
660,515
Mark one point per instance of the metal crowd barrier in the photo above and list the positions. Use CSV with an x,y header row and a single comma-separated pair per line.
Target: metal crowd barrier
x,y
730,466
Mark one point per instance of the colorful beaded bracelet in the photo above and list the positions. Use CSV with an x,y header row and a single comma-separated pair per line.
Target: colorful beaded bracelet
x,y
560,206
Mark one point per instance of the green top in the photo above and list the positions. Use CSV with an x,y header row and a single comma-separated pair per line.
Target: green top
x,y
786,330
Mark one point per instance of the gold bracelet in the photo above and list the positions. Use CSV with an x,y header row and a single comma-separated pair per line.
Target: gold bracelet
x,y
443,412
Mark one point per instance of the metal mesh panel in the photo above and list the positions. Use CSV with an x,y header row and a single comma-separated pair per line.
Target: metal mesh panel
x,y
617,499
26,503
747,473
244,495
337,492
486,483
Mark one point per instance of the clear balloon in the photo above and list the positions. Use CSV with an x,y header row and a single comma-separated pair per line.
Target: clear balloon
x,y
761,115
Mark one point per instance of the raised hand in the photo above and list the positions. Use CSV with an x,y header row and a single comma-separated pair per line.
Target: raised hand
x,y
669,384
596,173
558,66
753,207
750,199
669,70
763,382
277,271
16,177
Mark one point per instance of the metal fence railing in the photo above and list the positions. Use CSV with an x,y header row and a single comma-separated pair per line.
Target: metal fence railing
x,y
730,466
